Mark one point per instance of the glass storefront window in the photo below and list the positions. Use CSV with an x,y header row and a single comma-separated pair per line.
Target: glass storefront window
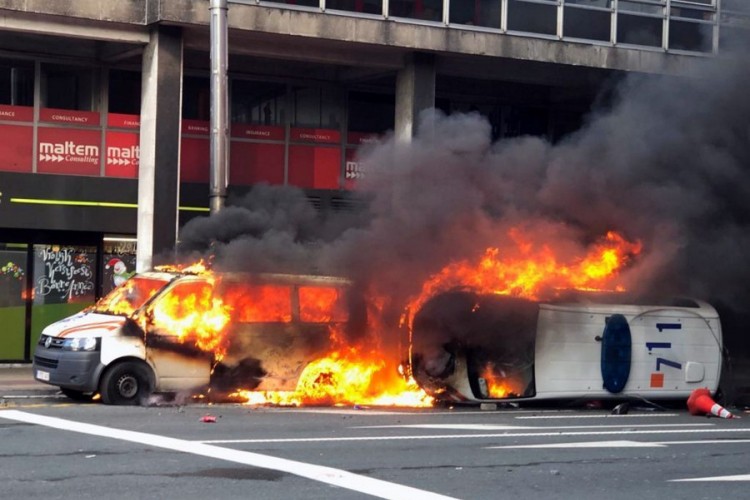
x,y
639,30
734,32
532,17
696,37
118,262
370,112
260,103
16,82
64,274
12,300
124,92
735,6
196,98
487,13
426,10
364,6
316,107
304,3
654,7
69,87
590,24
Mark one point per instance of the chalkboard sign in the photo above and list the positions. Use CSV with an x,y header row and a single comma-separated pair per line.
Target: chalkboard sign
x,y
64,274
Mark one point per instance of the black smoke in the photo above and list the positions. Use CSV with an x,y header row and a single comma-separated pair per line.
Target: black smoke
x,y
666,163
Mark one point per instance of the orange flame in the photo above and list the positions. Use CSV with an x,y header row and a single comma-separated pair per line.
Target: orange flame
x,y
535,270
499,384
192,313
345,378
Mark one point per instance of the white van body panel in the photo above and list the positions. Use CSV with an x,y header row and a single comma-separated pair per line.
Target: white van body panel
x,y
674,350
177,372
86,324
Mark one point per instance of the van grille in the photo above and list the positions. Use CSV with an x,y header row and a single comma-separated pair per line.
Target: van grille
x,y
55,343
45,362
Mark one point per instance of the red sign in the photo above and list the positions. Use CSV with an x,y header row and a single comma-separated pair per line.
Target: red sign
x,y
16,113
123,155
16,148
314,167
72,117
196,127
319,135
68,151
118,120
253,162
261,132
358,138
195,159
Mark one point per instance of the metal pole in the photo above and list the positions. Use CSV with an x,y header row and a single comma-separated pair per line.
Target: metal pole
x,y
219,105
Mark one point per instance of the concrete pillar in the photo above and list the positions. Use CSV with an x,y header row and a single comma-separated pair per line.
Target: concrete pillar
x,y
161,117
415,92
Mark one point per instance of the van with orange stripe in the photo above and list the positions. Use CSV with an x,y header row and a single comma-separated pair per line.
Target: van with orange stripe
x,y
172,332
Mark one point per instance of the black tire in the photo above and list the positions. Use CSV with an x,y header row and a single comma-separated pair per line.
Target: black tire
x,y
80,396
126,383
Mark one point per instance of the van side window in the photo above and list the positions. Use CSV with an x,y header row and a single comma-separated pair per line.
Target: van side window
x,y
258,303
319,304
178,309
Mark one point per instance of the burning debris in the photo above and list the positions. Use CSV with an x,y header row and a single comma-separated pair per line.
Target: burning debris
x,y
651,196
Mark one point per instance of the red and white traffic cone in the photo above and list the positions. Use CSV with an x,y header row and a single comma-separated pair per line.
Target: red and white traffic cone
x,y
701,403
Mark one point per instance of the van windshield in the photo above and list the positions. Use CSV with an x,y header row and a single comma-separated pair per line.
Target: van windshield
x,y
130,296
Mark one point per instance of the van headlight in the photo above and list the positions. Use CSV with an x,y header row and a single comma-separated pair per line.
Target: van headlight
x,y
81,344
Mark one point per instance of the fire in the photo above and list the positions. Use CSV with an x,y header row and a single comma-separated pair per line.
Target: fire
x,y
499,384
530,270
349,374
200,267
345,378
126,299
191,312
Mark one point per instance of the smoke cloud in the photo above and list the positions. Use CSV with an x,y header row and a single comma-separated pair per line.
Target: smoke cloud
x,y
666,163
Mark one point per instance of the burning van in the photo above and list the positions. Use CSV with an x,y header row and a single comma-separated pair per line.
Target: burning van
x,y
470,347
174,331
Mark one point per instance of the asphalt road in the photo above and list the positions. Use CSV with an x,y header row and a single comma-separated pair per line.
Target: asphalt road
x,y
55,449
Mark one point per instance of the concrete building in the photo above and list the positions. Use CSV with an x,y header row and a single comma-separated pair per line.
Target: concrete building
x,y
105,107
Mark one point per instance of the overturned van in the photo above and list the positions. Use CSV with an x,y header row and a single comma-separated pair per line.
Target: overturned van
x,y
470,347
142,338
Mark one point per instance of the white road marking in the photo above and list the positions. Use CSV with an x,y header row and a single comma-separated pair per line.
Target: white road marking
x,y
496,427
638,415
329,475
586,444
739,477
620,444
471,436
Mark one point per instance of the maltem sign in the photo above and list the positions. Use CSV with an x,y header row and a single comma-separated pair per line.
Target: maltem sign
x,y
69,149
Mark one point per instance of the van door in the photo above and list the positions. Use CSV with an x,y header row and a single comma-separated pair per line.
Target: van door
x,y
180,353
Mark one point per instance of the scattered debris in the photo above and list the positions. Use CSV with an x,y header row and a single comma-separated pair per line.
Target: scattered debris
x,y
621,409
208,419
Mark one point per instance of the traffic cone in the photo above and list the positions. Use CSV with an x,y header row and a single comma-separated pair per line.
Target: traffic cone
x,y
700,403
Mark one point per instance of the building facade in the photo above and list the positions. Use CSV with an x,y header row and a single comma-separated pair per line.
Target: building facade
x,y
105,107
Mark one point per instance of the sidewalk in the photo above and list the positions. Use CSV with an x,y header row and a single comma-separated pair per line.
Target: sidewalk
x,y
18,379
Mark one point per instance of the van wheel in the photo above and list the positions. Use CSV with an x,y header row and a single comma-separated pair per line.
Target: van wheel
x,y
80,396
127,383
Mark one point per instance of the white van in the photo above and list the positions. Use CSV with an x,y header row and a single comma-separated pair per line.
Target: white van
x,y
470,348
124,348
